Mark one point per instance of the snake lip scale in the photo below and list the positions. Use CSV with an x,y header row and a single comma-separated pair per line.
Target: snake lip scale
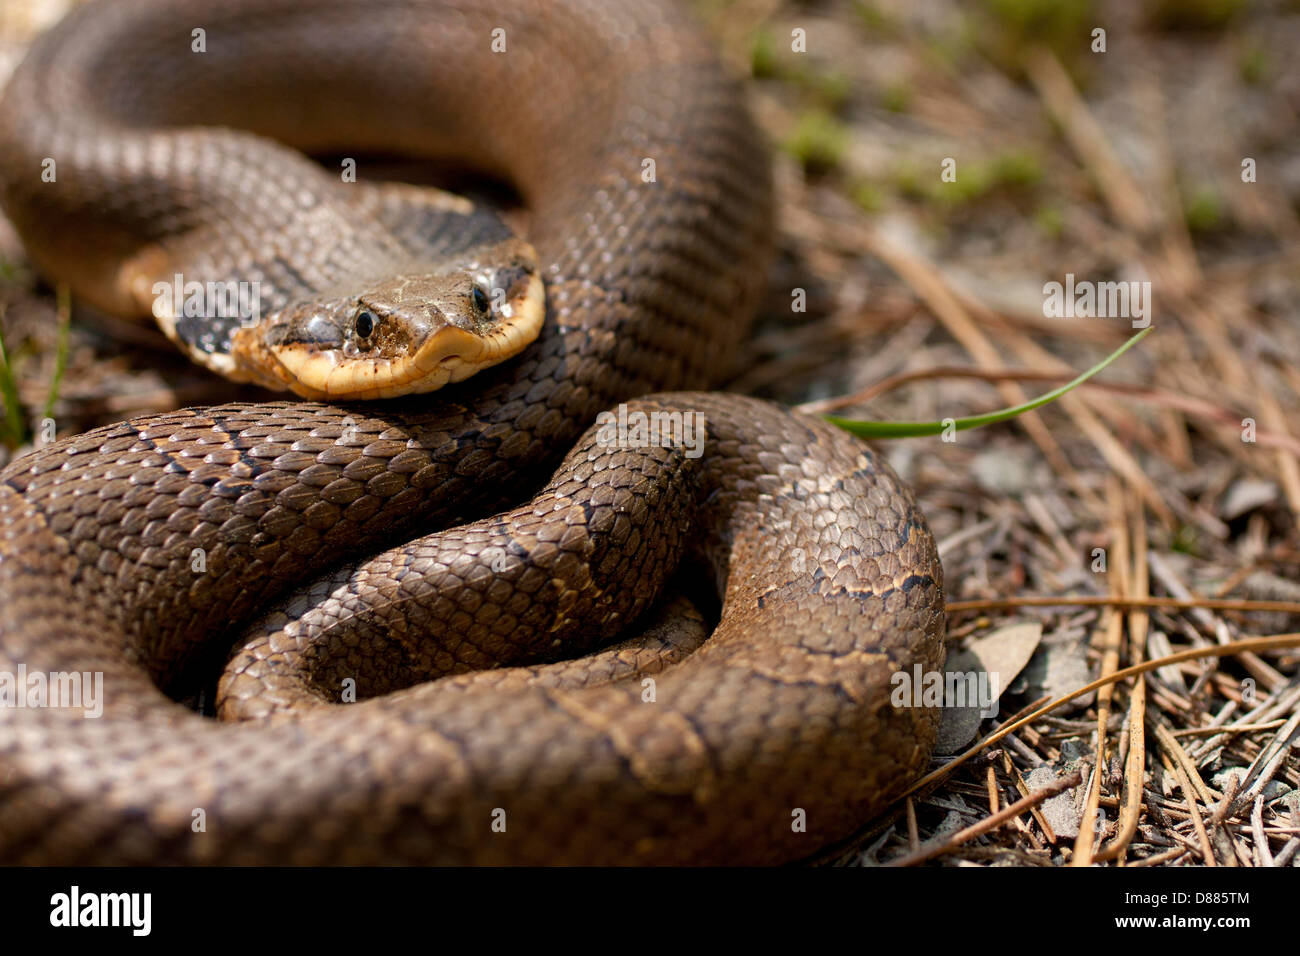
x,y
463,627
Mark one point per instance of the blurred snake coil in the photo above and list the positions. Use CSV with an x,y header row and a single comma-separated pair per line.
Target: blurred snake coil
x,y
660,657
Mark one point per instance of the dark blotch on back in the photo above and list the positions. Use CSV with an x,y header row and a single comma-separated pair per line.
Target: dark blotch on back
x,y
209,334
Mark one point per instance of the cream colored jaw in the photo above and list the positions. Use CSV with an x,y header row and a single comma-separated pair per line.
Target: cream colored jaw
x,y
449,355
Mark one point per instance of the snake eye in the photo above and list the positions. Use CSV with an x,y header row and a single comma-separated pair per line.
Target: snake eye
x,y
480,300
365,323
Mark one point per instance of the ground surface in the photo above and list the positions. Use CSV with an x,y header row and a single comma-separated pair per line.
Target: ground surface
x,y
920,296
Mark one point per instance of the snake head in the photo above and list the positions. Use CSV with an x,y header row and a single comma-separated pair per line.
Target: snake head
x,y
407,333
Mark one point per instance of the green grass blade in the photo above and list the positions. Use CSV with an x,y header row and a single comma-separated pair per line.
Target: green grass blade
x,y
61,353
12,428
870,429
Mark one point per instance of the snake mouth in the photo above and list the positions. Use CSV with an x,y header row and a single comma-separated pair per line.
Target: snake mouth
x,y
450,354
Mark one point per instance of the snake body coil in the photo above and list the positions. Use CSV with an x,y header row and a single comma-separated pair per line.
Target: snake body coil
x,y
133,550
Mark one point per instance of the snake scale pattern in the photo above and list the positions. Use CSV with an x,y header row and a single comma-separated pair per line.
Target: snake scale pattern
x,y
535,683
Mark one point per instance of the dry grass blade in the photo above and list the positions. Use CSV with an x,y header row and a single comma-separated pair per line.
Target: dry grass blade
x,y
989,823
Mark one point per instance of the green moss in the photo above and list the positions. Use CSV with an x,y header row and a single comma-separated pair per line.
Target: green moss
x,y
1187,540
1192,14
973,182
949,48
908,181
1253,66
1014,172
1203,209
830,90
1050,220
1013,25
1062,24
872,18
868,196
763,62
897,97
818,141
1017,169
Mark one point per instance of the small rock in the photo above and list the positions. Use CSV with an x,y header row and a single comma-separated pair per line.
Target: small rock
x,y
1002,471
1222,779
1247,495
984,668
1060,669
1074,749
1059,811
1276,790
